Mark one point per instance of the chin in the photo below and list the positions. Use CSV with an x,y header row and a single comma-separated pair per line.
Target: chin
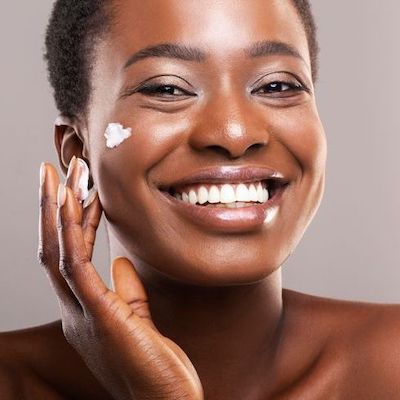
x,y
214,269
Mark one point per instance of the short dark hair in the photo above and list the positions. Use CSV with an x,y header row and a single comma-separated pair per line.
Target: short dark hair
x,y
74,29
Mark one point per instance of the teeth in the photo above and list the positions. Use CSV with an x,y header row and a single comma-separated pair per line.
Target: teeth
x,y
242,193
231,196
253,193
213,195
260,193
192,197
202,195
227,194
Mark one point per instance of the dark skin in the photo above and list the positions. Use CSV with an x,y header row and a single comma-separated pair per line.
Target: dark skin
x,y
207,305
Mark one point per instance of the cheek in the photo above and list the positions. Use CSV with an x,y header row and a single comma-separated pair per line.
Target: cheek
x,y
154,136
301,132
121,173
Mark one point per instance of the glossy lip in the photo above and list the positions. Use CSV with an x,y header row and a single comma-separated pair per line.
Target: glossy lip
x,y
228,220
225,174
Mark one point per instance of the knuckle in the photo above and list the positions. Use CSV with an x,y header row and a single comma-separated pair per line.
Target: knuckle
x,y
46,255
59,225
42,257
65,224
140,307
90,242
62,224
91,225
68,264
46,201
66,269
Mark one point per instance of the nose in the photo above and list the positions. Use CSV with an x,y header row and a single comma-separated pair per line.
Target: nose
x,y
230,126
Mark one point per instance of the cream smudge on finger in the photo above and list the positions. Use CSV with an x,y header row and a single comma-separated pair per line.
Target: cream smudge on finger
x,y
82,171
83,182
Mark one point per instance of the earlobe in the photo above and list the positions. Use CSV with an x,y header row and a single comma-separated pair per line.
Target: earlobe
x,y
68,142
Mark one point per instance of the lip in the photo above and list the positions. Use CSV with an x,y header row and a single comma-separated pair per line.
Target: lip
x,y
225,174
229,220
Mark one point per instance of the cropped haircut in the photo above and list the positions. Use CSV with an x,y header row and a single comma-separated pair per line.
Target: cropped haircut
x,y
75,28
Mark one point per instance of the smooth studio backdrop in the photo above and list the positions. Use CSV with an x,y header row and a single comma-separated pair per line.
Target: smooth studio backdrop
x,y
351,250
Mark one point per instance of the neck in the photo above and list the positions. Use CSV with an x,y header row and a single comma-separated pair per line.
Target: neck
x,y
230,329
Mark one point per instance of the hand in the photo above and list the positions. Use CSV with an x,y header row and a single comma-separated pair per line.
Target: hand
x,y
112,330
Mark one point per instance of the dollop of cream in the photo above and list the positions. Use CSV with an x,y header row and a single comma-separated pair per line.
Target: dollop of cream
x,y
115,134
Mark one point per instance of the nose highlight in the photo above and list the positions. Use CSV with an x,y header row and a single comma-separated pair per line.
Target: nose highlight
x,y
229,136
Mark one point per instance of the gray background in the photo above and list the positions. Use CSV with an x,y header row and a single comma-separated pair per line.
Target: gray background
x,y
351,250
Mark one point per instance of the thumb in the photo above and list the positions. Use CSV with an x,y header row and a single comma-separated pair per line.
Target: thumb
x,y
127,284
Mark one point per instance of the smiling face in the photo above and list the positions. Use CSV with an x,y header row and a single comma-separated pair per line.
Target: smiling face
x,y
226,103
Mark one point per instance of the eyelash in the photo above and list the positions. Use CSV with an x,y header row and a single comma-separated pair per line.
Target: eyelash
x,y
293,87
153,90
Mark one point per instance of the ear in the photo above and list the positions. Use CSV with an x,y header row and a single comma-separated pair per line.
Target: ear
x,y
69,142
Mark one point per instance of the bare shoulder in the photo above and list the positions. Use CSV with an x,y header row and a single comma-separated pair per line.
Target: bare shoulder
x,y
361,338
21,360
38,363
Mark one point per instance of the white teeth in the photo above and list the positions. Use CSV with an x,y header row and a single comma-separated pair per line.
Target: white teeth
x,y
202,195
253,193
260,194
242,193
227,194
213,195
192,197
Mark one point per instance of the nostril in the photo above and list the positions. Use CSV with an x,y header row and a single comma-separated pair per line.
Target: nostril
x,y
256,145
220,150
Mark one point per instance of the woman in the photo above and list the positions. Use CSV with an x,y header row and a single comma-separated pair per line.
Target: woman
x,y
204,100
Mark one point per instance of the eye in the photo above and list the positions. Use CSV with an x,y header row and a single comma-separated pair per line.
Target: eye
x,y
280,87
163,91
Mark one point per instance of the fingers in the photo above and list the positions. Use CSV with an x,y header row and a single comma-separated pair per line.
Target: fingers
x,y
52,253
48,249
75,265
72,179
77,180
91,219
127,284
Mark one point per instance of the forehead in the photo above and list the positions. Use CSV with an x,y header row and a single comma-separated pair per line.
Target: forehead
x,y
222,28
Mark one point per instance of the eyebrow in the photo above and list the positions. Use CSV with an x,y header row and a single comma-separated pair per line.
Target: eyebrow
x,y
195,54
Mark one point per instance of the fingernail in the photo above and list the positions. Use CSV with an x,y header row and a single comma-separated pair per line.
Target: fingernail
x,y
89,200
83,179
42,173
58,121
61,195
71,166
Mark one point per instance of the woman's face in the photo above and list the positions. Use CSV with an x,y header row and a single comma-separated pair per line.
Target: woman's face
x,y
213,110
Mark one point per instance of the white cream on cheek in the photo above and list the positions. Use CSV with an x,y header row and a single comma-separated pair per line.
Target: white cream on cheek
x,y
115,134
